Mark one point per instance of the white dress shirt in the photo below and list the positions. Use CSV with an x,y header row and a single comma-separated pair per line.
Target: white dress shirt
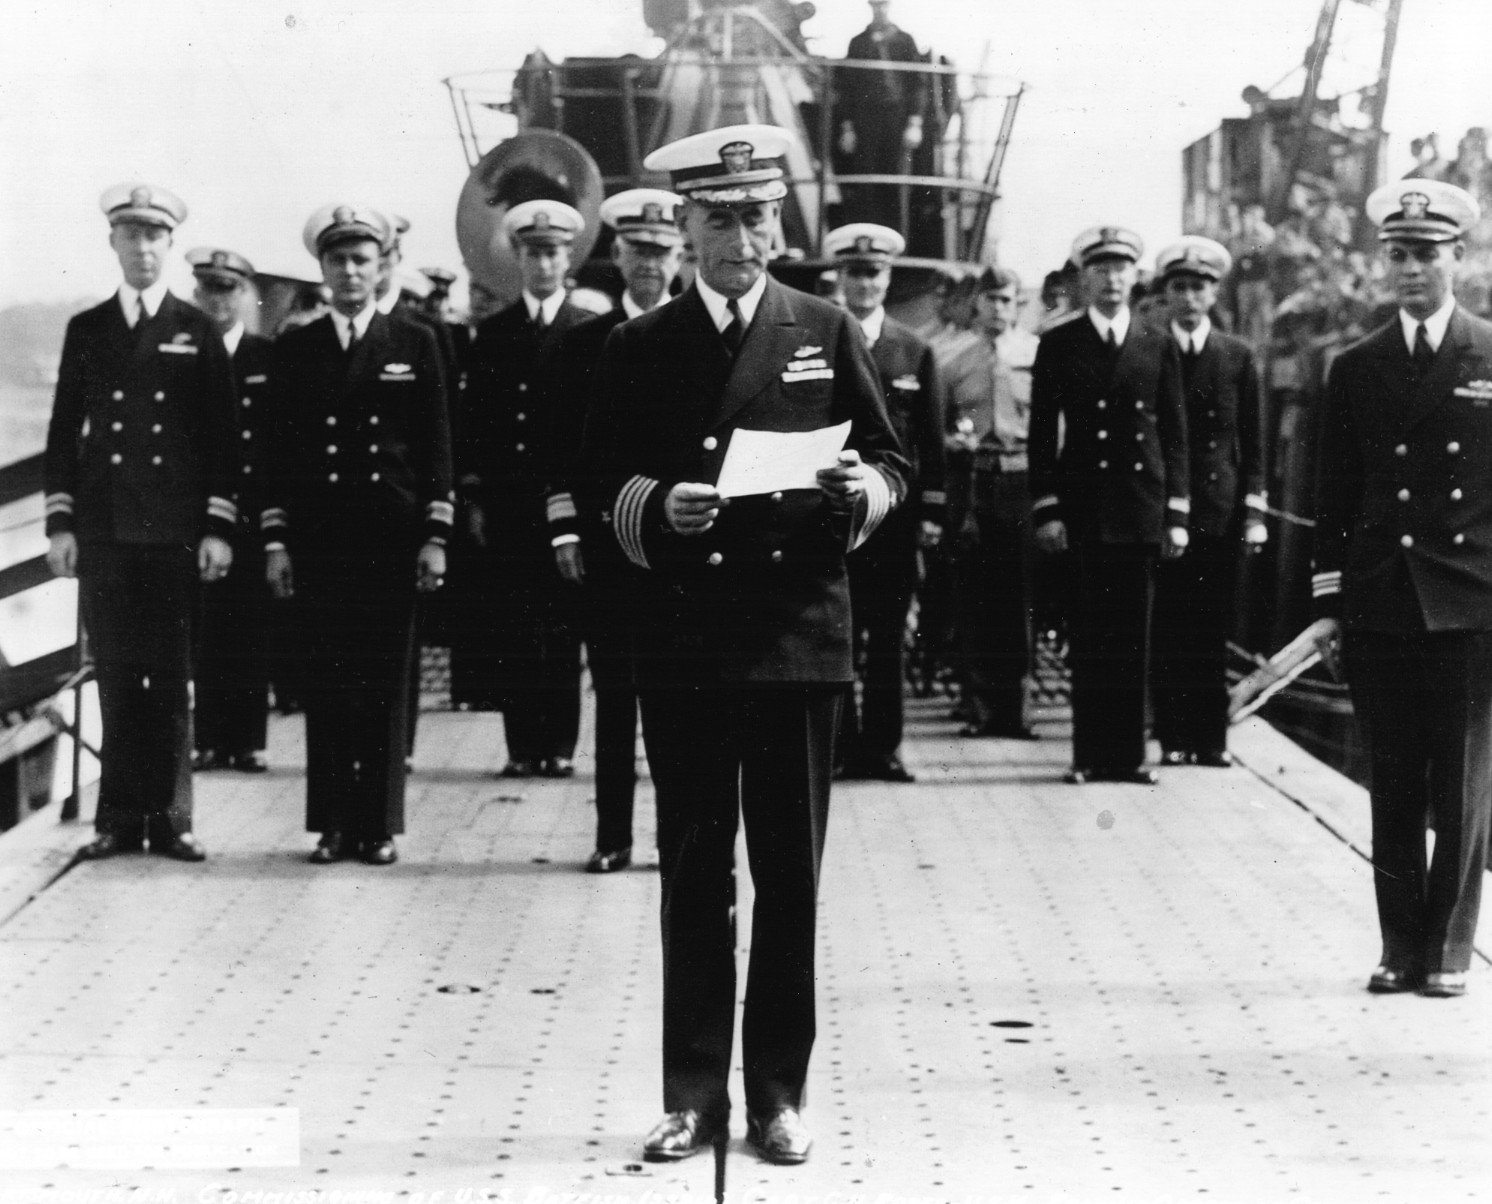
x,y
634,310
130,298
718,304
871,327
549,307
1119,324
232,338
359,322
1196,339
1435,325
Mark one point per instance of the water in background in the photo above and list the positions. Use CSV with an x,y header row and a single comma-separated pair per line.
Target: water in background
x,y
24,411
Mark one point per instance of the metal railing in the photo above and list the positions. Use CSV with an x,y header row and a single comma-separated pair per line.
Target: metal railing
x,y
621,109
30,686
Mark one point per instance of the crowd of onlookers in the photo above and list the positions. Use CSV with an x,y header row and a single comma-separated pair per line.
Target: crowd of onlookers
x,y
1307,281
1300,286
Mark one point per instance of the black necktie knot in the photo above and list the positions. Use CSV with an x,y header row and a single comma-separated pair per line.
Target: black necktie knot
x,y
1423,352
735,330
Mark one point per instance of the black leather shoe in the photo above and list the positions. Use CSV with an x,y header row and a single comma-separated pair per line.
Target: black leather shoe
x,y
782,1137
380,852
204,759
1077,776
681,1135
1214,758
1444,984
609,863
890,769
1133,777
557,767
518,768
1175,756
250,762
331,847
107,844
1386,980
182,847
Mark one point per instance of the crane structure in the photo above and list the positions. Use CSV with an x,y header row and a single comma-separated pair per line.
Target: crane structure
x,y
1316,135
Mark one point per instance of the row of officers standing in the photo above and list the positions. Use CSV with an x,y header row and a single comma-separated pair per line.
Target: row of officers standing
x,y
730,623
1066,475
328,452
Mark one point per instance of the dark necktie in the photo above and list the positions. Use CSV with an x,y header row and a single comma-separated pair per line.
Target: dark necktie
x,y
141,317
735,330
539,326
351,341
1189,355
1423,352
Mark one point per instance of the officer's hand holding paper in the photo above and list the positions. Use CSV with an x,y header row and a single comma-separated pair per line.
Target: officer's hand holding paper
x,y
773,461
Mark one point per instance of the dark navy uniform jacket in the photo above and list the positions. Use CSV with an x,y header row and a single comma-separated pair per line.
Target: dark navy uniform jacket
x,y
503,461
360,447
251,374
865,89
566,392
1404,485
142,447
1121,473
763,596
909,381
1224,422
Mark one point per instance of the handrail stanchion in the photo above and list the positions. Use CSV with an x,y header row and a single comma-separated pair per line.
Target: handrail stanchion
x,y
75,728
826,154
629,121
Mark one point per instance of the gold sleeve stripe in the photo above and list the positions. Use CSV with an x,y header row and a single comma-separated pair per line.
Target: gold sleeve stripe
x,y
627,520
877,506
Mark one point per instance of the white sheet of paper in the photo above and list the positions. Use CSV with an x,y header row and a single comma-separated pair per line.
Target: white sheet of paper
x,y
766,461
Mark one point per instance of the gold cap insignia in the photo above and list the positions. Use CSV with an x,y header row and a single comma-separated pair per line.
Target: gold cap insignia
x,y
1414,205
736,156
140,198
652,212
541,220
342,215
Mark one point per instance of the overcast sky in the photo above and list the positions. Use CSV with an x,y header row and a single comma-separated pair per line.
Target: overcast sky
x,y
258,112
